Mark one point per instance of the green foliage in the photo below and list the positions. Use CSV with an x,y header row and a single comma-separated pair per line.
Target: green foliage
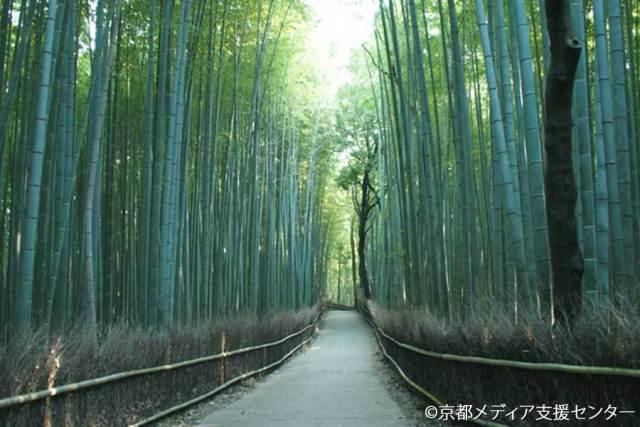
x,y
457,97
183,175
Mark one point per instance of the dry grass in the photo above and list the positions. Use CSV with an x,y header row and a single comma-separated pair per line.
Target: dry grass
x,y
602,339
599,339
35,362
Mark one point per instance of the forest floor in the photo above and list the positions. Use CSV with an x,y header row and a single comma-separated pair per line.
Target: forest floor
x,y
339,380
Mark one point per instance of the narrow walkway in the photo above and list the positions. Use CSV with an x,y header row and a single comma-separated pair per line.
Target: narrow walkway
x,y
333,383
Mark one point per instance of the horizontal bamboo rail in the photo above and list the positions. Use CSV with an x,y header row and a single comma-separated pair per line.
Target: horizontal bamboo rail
x,y
504,363
421,390
218,389
68,388
336,306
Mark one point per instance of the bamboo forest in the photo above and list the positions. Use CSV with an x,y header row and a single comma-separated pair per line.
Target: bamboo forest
x,y
182,181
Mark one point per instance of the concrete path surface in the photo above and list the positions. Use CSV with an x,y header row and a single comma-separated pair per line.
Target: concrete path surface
x,y
333,383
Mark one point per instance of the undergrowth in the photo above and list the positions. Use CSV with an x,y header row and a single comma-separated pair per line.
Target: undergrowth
x,y
608,339
598,338
36,362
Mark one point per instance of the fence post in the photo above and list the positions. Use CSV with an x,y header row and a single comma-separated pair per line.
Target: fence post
x,y
223,344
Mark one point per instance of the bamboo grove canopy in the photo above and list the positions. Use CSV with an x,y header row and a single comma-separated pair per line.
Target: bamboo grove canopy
x,y
156,166
167,161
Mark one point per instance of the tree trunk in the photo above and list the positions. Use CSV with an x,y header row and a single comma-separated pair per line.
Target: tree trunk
x,y
339,279
362,234
353,260
566,258
24,295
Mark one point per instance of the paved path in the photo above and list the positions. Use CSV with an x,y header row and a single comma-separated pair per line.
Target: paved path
x,y
333,383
